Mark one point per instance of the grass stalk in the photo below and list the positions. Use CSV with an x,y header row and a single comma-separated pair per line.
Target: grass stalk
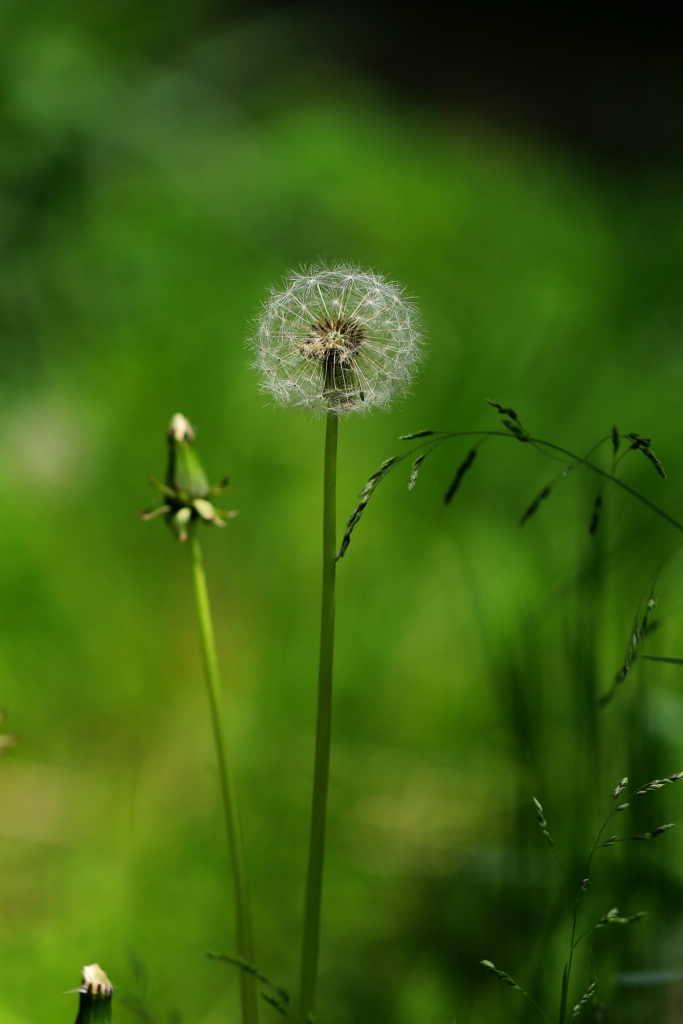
x,y
245,943
316,851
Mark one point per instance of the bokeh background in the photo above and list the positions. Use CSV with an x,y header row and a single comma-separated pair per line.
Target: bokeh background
x,y
161,166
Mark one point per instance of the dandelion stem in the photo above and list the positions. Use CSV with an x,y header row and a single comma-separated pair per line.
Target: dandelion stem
x,y
316,850
245,944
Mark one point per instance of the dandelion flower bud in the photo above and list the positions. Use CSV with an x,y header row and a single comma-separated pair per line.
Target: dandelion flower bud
x,y
336,339
96,992
185,472
186,490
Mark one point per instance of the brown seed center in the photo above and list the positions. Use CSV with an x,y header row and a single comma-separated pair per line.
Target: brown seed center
x,y
336,341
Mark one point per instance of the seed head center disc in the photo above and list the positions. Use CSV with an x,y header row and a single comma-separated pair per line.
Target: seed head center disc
x,y
337,341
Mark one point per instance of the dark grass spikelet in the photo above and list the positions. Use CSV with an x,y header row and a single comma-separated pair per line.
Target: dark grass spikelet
x,y
510,421
540,817
365,496
457,480
638,634
585,998
415,470
536,504
501,974
418,433
616,441
643,444
595,518
503,411
621,787
613,917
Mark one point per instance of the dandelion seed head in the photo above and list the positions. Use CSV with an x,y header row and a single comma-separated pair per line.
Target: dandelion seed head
x,y
336,339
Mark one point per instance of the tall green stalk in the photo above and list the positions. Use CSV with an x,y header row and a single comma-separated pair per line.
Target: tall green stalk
x,y
316,850
245,943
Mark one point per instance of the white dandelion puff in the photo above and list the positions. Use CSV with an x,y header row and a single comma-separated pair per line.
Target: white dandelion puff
x,y
336,339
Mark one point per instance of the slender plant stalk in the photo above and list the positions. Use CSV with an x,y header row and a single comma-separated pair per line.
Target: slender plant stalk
x,y
245,943
316,850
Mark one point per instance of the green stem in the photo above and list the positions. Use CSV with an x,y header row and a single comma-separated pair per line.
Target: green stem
x,y
245,945
574,941
93,1009
316,850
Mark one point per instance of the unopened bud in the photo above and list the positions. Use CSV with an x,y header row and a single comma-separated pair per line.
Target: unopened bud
x,y
95,996
180,428
185,473
186,492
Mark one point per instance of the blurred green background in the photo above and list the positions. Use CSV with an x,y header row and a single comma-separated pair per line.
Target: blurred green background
x,y
161,166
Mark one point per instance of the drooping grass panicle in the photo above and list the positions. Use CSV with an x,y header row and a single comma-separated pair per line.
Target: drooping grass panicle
x,y
515,430
336,338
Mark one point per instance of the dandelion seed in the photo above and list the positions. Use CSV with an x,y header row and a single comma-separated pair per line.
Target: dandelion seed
x,y
336,339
